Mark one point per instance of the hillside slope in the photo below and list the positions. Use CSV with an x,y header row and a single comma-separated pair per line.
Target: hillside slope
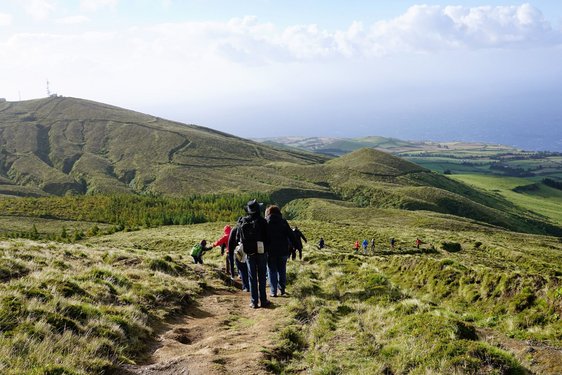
x,y
59,145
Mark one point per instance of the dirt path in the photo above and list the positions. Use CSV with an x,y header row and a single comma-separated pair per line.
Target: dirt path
x,y
539,358
219,334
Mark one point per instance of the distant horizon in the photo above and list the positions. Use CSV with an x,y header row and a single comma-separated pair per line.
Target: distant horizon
x,y
530,145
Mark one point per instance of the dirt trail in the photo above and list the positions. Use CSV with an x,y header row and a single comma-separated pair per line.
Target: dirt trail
x,y
539,358
219,334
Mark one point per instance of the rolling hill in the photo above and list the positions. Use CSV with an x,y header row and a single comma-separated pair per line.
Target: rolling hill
x,y
59,145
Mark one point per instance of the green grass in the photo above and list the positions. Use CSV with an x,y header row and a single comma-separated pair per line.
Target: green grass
x,y
545,201
83,308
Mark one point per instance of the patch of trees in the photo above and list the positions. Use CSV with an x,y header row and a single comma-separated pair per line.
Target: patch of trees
x,y
552,183
134,211
511,171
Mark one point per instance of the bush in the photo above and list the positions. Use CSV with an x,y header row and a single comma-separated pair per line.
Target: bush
x,y
452,247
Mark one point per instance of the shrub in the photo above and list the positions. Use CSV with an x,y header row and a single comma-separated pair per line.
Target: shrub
x,y
452,247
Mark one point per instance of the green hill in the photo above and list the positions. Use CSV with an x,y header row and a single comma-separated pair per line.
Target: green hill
x,y
66,145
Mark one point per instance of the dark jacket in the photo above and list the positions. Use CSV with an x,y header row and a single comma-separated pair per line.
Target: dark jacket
x,y
279,233
262,229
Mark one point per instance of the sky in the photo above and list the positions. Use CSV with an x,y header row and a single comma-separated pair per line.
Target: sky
x,y
419,70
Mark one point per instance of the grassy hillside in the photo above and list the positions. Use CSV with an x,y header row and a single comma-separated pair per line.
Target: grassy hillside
x,y
371,178
66,145
370,314
87,307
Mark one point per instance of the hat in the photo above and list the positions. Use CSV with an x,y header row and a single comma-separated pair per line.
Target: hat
x,y
253,206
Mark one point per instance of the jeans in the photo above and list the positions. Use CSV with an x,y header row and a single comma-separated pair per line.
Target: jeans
x,y
230,263
256,277
277,267
243,272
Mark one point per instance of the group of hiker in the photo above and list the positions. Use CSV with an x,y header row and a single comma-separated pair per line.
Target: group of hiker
x,y
366,244
259,247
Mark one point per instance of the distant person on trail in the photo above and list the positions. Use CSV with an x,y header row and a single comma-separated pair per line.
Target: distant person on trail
x,y
356,246
392,243
242,267
279,234
297,245
198,250
223,243
252,234
373,246
365,244
418,243
321,243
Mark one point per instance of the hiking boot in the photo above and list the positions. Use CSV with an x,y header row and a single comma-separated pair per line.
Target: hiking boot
x,y
245,290
273,295
265,304
253,306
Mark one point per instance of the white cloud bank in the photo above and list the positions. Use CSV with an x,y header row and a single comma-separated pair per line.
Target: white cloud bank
x,y
5,19
245,60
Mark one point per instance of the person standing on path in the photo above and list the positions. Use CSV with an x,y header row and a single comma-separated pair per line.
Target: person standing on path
x,y
373,246
223,243
242,267
252,234
356,247
297,245
279,234
365,245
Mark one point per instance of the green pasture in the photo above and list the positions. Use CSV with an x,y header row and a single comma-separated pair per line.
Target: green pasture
x,y
545,201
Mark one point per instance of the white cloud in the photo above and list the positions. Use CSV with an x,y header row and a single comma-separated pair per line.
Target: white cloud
x,y
5,19
94,5
72,20
39,9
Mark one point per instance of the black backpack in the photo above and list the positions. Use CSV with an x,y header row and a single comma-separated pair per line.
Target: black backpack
x,y
248,230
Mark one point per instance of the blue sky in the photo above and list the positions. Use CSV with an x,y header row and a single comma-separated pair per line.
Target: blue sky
x,y
471,70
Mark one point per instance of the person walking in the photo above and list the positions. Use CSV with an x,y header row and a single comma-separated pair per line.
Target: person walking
x,y
297,245
321,243
252,234
373,246
279,234
198,250
365,244
242,267
392,243
356,247
223,243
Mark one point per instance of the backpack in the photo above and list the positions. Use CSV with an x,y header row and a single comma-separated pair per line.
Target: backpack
x,y
248,230
196,250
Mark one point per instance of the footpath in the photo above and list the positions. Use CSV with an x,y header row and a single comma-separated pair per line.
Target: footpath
x,y
218,334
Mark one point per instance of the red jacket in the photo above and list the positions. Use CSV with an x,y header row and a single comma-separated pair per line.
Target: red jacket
x,y
224,239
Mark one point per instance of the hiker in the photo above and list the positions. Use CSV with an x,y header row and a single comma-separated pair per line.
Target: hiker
x,y
279,234
365,244
373,246
252,234
297,245
198,250
241,266
223,243
356,246
321,243
418,243
392,243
